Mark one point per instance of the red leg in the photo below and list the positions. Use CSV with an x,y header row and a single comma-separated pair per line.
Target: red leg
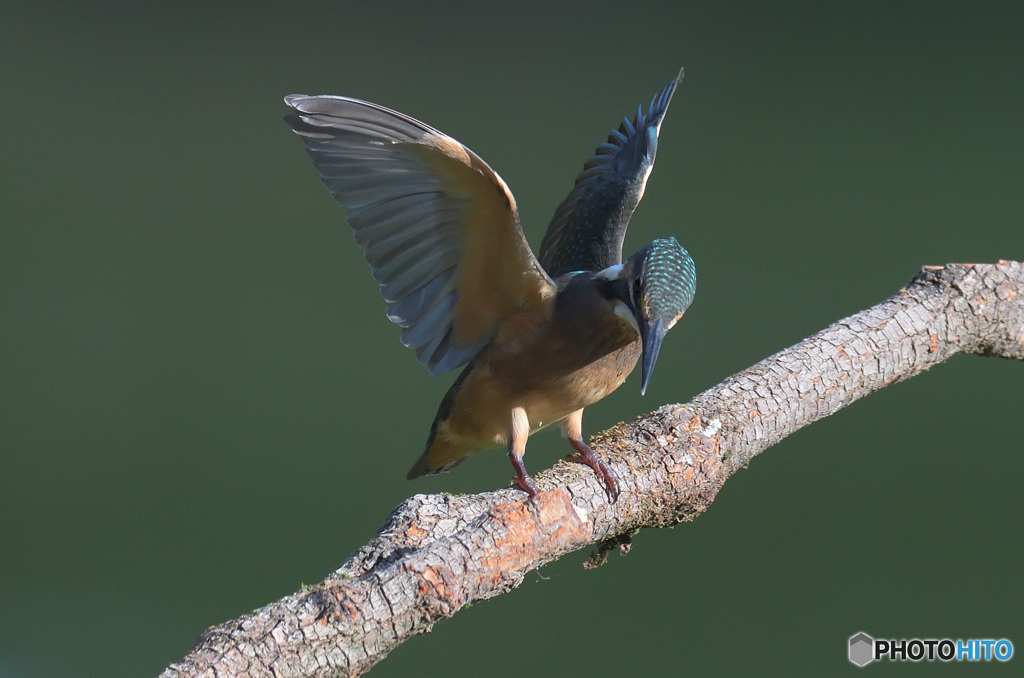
x,y
573,427
519,431
523,479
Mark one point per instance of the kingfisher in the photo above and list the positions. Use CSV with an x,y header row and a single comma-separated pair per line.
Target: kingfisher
x,y
540,337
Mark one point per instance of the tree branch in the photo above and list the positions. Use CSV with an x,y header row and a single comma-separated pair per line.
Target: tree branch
x,y
437,553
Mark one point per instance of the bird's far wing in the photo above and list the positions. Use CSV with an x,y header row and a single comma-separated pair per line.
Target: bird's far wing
x,y
438,227
589,226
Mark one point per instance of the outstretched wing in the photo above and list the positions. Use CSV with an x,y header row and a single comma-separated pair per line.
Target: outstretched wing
x,y
589,226
438,227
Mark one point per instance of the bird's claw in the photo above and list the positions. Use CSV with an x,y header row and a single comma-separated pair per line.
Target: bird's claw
x,y
523,478
585,455
526,484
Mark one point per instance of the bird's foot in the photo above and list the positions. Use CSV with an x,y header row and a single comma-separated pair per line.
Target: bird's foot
x,y
523,479
526,484
585,455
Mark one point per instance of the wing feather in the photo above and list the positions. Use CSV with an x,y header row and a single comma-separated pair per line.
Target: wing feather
x,y
438,227
588,228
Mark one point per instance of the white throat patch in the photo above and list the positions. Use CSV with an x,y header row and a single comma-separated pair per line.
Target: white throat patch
x,y
623,312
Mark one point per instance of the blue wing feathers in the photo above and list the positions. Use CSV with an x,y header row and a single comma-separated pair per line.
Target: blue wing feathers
x,y
588,228
429,325
410,309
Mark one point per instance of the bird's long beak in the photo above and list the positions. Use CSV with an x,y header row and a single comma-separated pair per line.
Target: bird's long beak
x,y
651,335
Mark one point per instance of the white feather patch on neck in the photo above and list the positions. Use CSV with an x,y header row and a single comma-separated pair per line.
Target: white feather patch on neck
x,y
623,312
610,273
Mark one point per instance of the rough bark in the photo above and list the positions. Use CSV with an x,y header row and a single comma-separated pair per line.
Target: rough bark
x,y
437,553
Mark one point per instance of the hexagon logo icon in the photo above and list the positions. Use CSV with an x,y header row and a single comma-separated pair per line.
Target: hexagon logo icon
x,y
862,649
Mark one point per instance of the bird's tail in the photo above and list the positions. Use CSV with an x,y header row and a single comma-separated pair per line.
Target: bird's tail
x,y
440,456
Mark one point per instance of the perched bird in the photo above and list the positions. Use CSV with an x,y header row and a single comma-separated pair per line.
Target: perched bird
x,y
542,337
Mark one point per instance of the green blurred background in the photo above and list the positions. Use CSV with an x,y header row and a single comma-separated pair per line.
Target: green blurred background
x,y
202,405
